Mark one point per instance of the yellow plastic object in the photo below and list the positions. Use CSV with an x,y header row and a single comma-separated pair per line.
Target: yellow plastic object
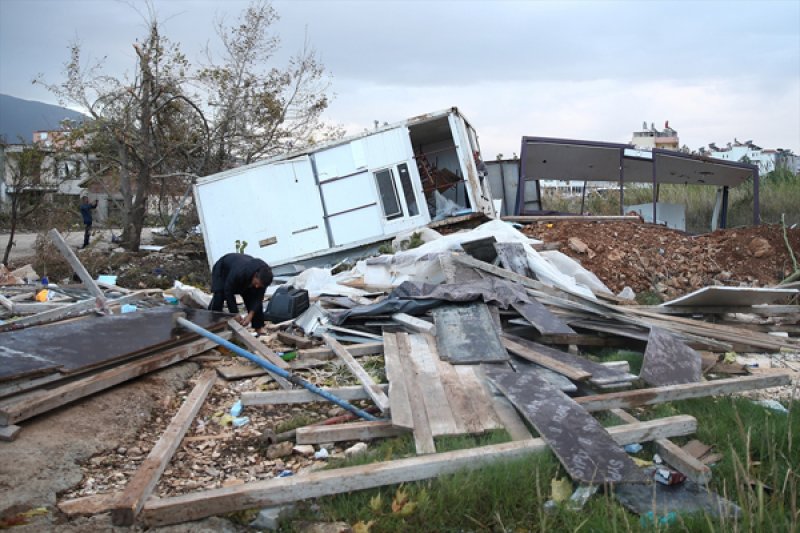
x,y
41,296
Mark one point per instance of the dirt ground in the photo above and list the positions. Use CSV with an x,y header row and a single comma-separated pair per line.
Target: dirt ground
x,y
650,258
46,458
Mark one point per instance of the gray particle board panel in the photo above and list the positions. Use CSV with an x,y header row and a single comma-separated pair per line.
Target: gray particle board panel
x,y
541,318
96,341
583,446
601,374
668,361
466,334
684,499
513,257
732,296
520,365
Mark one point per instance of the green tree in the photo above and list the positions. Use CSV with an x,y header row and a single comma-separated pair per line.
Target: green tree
x,y
27,184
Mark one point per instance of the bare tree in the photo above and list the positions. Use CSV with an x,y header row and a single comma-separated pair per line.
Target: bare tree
x,y
257,110
144,126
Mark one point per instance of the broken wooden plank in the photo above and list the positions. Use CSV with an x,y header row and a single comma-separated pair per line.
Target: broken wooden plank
x,y
279,397
601,374
398,394
668,361
497,271
363,430
542,319
52,398
373,389
324,353
294,340
546,361
9,433
256,346
423,436
240,371
480,396
197,505
414,324
260,349
141,485
66,311
673,454
89,505
670,393
527,219
583,446
437,405
466,334
80,270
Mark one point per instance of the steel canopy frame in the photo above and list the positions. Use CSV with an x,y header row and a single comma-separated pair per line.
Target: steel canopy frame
x,y
666,167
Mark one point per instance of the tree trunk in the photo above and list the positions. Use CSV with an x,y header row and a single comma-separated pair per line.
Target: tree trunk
x,y
14,212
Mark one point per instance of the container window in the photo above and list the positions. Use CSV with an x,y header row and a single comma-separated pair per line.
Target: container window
x,y
388,191
408,190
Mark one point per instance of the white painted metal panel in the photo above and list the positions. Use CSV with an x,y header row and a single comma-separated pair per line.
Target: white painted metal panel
x,y
335,162
244,207
350,192
387,148
357,225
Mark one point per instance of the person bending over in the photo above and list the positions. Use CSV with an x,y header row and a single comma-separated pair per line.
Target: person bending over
x,y
244,275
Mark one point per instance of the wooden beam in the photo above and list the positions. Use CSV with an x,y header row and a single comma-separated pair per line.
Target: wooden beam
x,y
9,433
398,394
528,219
363,430
497,271
414,324
555,365
89,505
259,348
82,387
8,304
69,310
673,454
278,397
670,393
294,340
373,389
423,435
324,353
141,485
80,270
766,310
197,505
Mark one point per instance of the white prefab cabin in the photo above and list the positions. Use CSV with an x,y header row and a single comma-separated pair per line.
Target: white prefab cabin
x,y
345,194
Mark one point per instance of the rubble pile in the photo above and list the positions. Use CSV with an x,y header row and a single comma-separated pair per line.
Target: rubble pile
x,y
648,257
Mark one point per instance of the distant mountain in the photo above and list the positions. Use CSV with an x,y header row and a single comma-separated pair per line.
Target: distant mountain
x,y
20,118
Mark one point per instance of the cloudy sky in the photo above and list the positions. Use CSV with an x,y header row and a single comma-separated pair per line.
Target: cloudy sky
x,y
717,70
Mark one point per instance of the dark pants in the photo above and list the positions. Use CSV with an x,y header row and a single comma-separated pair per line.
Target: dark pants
x,y
86,234
218,300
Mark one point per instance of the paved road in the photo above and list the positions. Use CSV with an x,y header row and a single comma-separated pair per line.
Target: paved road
x,y
24,242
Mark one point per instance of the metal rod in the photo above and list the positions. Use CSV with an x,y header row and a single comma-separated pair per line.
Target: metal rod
x,y
276,369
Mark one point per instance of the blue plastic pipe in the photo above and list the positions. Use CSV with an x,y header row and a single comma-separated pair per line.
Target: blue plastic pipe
x,y
275,369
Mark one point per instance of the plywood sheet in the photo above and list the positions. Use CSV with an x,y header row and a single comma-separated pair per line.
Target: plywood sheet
x,y
96,341
583,446
668,361
601,374
732,296
465,334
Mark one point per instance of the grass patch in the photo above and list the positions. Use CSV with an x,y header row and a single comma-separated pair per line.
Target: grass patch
x,y
633,358
758,445
294,423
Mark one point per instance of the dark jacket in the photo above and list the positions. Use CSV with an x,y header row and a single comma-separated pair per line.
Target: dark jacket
x,y
86,212
232,275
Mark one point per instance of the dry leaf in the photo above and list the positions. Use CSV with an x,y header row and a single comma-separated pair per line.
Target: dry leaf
x,y
400,499
361,527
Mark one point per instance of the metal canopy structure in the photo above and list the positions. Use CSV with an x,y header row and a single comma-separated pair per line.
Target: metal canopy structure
x,y
545,158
